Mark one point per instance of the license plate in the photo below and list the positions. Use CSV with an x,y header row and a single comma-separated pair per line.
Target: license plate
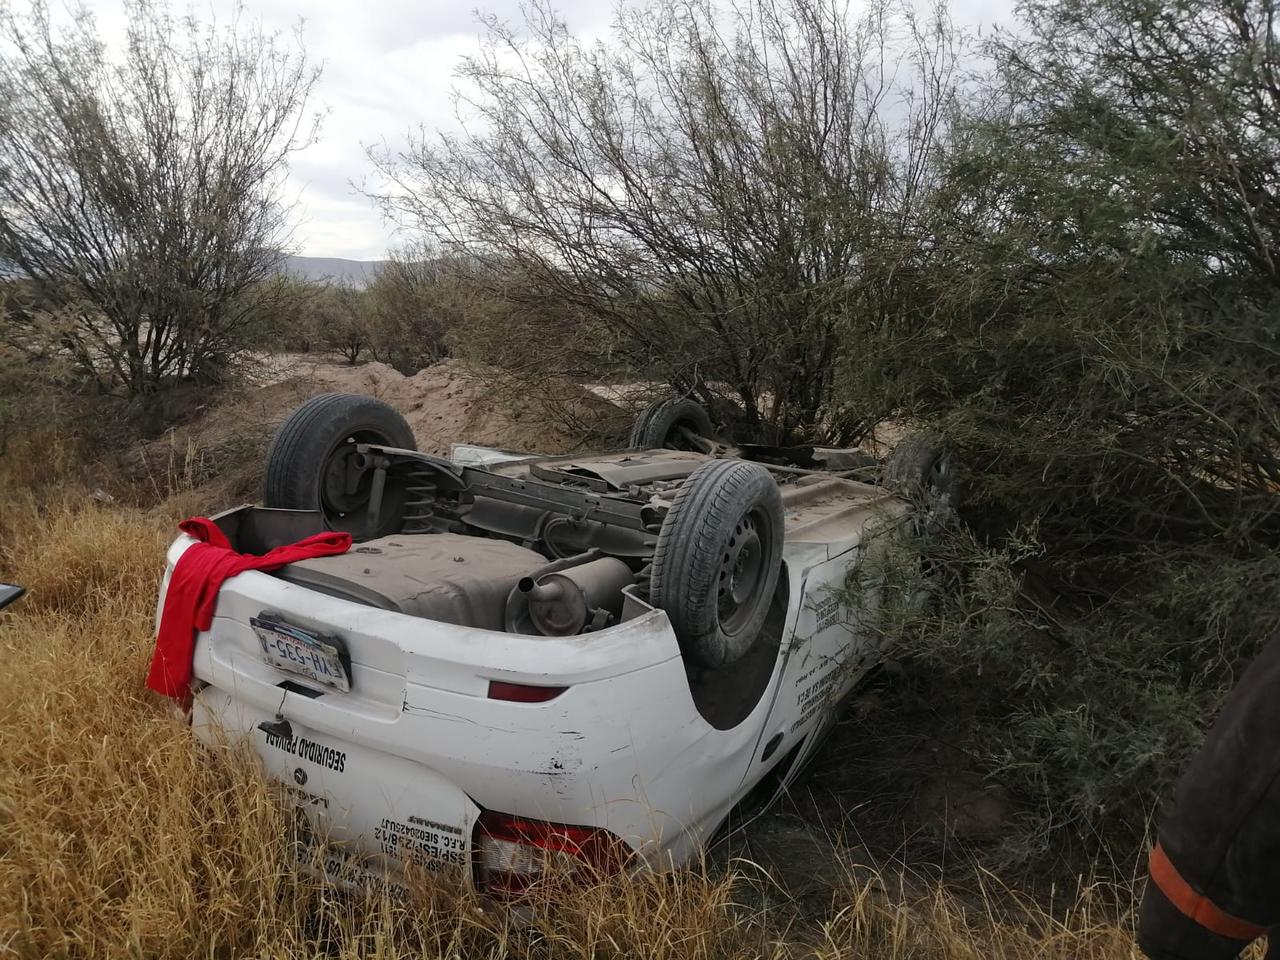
x,y
286,647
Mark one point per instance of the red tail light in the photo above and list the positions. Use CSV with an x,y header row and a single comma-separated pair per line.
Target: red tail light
x,y
512,853
522,692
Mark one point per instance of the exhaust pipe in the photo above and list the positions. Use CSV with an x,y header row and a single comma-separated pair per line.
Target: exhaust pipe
x,y
547,592
567,601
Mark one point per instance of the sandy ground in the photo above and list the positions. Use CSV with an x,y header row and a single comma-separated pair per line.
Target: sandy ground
x,y
221,447
451,402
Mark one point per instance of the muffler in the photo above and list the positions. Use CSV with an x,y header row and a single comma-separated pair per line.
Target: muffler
x,y
566,601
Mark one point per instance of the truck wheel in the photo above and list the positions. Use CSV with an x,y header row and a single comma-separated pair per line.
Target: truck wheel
x,y
657,427
309,465
717,559
920,468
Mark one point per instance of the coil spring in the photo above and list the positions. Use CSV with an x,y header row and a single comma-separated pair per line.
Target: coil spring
x,y
420,497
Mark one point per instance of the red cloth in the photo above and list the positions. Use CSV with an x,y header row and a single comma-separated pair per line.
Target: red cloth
x,y
193,592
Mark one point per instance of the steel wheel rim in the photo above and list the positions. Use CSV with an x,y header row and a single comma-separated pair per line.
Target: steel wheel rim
x,y
742,570
343,508
939,474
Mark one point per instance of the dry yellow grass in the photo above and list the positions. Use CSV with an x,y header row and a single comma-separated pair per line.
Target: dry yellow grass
x,y
120,837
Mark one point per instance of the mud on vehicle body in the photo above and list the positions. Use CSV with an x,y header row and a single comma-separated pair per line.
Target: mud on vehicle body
x,y
596,662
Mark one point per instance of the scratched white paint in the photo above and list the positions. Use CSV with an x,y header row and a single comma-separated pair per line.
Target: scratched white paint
x,y
398,768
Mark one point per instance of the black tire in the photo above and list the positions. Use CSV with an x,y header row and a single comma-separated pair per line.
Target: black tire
x,y
306,462
656,427
717,559
920,469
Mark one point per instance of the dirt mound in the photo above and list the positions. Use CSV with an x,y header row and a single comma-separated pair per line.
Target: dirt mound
x,y
222,447
454,402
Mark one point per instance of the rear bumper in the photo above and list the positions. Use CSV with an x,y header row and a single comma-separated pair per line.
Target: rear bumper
x,y
387,811
400,768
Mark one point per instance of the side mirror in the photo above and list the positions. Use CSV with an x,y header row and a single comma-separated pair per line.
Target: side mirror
x,y
10,592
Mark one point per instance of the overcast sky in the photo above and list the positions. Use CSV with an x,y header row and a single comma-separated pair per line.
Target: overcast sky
x,y
388,67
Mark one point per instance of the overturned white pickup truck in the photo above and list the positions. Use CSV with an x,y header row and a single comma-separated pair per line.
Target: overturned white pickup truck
x,y
590,662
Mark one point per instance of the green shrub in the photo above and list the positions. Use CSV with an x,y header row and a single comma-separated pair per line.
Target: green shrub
x,y
1096,333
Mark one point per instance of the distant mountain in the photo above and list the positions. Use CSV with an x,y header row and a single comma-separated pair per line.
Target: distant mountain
x,y
358,273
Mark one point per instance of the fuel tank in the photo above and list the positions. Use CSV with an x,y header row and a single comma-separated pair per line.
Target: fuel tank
x,y
445,577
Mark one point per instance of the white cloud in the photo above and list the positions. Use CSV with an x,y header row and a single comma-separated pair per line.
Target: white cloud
x,y
389,68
